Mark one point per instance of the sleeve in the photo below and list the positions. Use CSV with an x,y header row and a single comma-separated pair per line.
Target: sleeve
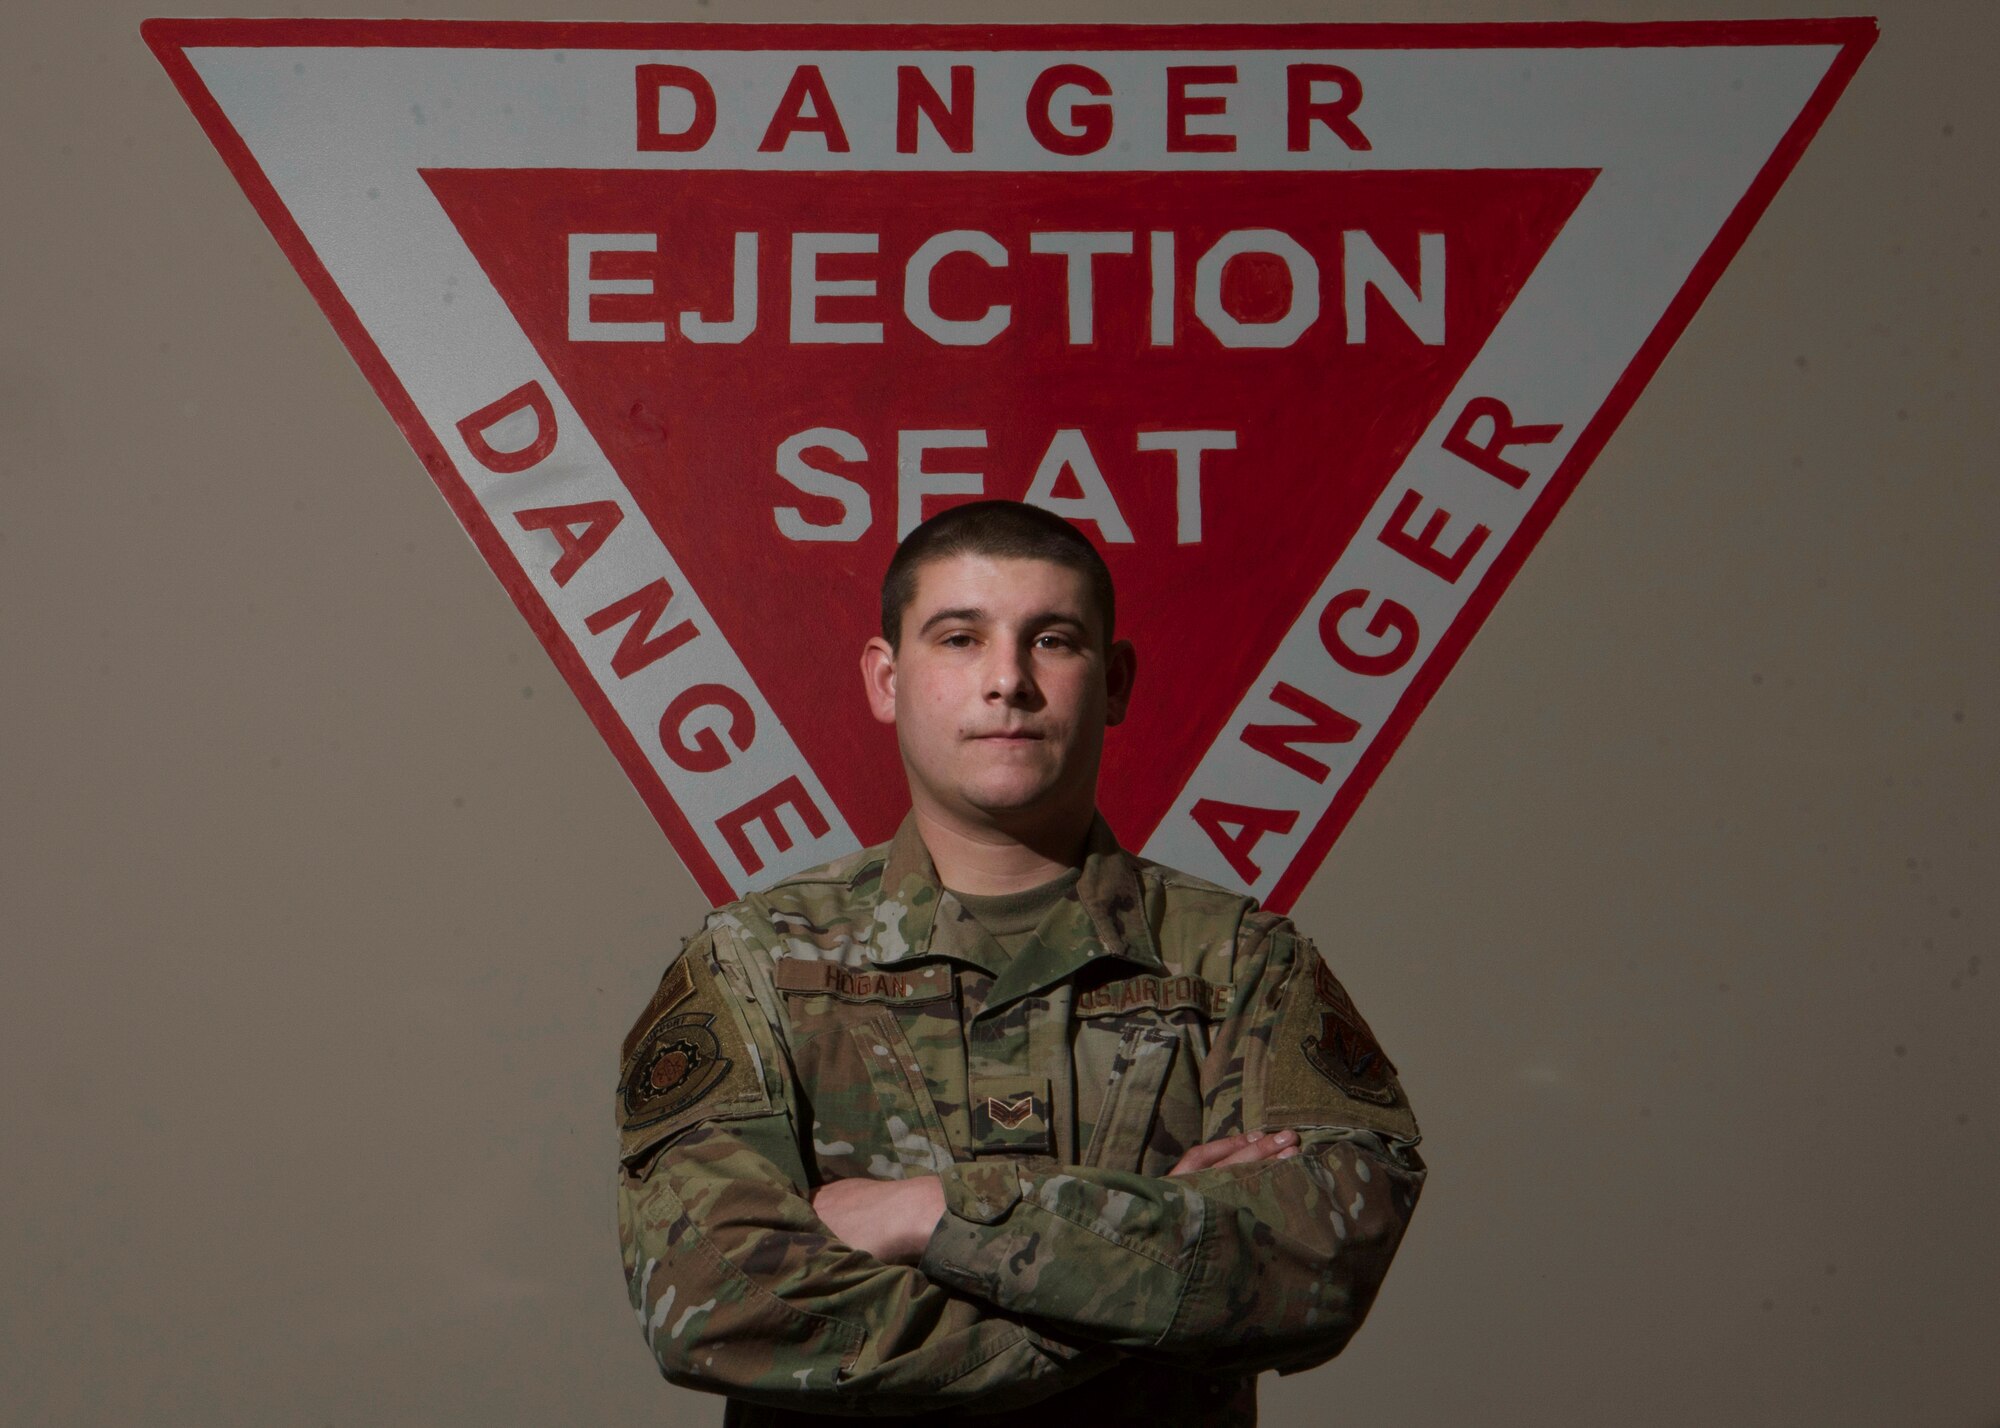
x,y
1239,1268
737,1285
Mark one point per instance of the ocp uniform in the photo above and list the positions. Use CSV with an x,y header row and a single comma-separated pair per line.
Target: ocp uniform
x,y
860,1021
966,1048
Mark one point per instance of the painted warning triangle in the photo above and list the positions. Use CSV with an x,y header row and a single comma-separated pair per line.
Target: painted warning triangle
x,y
1312,328
1210,578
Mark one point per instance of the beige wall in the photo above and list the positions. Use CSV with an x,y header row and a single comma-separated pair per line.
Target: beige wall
x,y
325,906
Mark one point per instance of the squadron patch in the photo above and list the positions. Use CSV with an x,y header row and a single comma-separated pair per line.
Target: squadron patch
x,y
1323,1066
685,1060
678,1063
1345,1050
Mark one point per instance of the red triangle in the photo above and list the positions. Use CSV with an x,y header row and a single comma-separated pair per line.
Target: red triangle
x,y
693,429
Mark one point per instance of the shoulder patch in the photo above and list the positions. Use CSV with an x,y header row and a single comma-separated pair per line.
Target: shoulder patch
x,y
1345,1051
1324,1066
675,987
685,1060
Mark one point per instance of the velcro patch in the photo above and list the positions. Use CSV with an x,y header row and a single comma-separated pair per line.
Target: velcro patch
x,y
678,1063
1010,1114
862,984
685,1060
675,987
1345,1051
1324,1066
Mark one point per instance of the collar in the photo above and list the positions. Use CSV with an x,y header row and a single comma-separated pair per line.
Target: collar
x,y
1103,916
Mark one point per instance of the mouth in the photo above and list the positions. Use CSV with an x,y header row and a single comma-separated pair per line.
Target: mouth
x,y
1008,736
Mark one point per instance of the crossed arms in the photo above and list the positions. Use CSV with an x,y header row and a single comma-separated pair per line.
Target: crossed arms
x,y
894,1219
995,1283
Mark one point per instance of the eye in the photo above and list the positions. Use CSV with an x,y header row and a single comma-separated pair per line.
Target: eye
x,y
957,640
1049,639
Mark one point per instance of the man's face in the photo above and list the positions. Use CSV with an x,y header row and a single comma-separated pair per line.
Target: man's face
x,y
1000,692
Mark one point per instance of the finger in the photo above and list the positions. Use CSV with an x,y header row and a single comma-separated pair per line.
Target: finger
x,y
1197,1158
1244,1149
1248,1155
1202,1156
1210,1152
1270,1147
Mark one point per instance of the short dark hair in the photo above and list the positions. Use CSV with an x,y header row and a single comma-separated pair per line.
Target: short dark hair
x,y
1000,530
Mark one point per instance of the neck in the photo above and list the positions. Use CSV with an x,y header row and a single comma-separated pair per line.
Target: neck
x,y
990,861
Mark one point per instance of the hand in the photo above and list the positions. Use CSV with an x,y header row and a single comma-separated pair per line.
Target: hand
x,y
1238,1150
889,1219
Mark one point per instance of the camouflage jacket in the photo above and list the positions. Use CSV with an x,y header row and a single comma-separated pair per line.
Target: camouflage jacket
x,y
855,1021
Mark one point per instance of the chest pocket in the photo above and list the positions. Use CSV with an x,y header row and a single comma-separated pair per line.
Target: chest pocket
x,y
1137,1074
873,1114
916,1133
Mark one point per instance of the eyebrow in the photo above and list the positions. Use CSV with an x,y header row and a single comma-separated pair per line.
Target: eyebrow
x,y
973,615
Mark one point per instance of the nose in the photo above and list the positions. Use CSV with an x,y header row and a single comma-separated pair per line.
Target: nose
x,y
1010,677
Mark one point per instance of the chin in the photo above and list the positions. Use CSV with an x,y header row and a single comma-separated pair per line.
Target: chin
x,y
1009,800
1001,804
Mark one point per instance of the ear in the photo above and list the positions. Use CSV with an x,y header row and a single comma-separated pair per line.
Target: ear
x,y
878,676
1121,667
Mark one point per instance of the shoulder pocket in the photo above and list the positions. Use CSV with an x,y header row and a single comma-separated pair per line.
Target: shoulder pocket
x,y
1125,1121
686,1060
1323,1066
916,1132
865,1091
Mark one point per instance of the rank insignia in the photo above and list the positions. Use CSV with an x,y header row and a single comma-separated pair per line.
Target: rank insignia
x,y
1010,1115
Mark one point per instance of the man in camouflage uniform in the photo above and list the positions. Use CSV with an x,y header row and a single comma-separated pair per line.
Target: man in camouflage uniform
x,y
997,1122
